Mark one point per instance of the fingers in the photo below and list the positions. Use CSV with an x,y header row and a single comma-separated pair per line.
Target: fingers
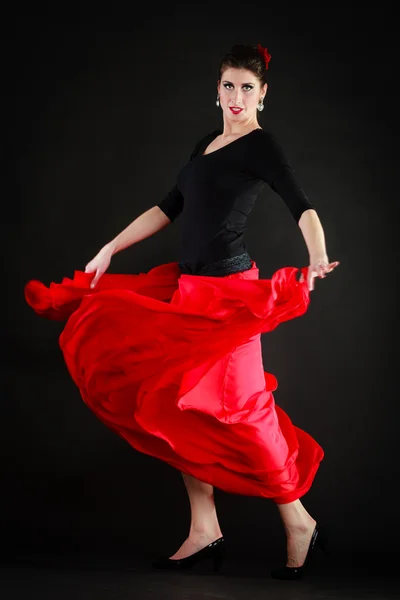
x,y
95,279
320,271
333,265
89,268
329,268
310,280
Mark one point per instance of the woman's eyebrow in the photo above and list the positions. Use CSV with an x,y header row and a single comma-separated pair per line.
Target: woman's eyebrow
x,y
249,83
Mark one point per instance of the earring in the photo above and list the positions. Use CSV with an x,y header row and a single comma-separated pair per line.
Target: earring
x,y
260,105
217,102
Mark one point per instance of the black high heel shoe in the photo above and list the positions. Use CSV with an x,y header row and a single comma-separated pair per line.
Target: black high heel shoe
x,y
318,539
214,551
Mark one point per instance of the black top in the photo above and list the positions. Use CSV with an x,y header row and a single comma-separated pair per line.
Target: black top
x,y
216,192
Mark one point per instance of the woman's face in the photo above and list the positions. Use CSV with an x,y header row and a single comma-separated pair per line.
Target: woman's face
x,y
240,89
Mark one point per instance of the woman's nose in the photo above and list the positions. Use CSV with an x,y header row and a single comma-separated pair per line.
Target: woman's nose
x,y
238,97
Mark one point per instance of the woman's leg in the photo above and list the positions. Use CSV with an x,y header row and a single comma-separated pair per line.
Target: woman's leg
x,y
204,526
299,527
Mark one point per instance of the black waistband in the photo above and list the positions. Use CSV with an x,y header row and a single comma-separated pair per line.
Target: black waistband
x,y
218,268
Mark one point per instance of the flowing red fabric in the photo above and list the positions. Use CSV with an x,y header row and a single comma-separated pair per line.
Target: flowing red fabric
x,y
172,363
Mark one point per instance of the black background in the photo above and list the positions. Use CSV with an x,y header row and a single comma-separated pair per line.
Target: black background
x,y
105,108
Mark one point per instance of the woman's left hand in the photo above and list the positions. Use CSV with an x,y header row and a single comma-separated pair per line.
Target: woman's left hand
x,y
319,267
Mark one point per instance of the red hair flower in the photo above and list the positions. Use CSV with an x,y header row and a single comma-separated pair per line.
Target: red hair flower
x,y
265,54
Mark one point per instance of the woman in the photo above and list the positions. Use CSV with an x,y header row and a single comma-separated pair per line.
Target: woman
x,y
171,359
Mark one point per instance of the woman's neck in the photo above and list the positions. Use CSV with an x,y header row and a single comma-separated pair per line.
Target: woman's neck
x,y
237,129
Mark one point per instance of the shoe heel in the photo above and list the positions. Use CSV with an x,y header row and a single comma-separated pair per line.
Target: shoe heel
x,y
217,563
214,551
218,559
322,542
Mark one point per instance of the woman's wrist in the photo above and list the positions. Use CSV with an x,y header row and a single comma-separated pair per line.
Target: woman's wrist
x,y
111,247
316,257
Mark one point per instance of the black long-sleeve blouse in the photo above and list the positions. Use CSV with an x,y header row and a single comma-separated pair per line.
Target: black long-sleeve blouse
x,y
216,192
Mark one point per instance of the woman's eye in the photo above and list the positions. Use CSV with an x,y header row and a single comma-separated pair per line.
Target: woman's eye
x,y
247,88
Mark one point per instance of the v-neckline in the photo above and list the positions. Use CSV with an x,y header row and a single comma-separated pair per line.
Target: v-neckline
x,y
218,132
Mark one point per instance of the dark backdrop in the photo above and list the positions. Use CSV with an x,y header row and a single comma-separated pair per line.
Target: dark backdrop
x,y
105,109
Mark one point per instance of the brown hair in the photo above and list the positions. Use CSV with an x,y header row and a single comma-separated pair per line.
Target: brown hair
x,y
245,56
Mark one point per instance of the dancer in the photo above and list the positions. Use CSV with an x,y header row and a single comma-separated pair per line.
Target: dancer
x,y
171,359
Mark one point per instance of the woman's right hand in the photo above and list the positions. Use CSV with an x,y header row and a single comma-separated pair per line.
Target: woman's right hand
x,y
99,264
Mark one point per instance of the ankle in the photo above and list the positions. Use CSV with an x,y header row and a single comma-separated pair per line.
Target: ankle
x,y
209,531
299,527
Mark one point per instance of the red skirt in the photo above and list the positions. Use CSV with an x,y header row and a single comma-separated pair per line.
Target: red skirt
x,y
172,363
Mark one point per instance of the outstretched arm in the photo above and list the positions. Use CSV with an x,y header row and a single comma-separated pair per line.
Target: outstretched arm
x,y
142,227
313,234
314,237
145,225
270,163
